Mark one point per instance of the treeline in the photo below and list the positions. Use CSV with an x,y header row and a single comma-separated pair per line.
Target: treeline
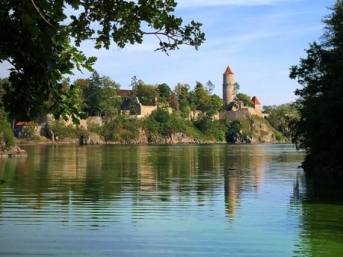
x,y
98,97
193,112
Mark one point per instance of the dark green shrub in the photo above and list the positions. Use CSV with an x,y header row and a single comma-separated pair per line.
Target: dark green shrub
x,y
6,134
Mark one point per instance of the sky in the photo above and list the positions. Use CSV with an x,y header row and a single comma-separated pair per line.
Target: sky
x,y
259,39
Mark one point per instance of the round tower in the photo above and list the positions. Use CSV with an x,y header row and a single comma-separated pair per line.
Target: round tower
x,y
228,86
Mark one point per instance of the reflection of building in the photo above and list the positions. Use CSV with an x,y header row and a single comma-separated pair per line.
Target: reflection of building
x,y
72,163
231,187
243,171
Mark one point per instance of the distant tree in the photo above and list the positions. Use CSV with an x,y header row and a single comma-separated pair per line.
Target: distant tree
x,y
199,84
209,87
241,97
147,94
173,102
236,88
100,96
109,103
215,104
161,122
6,132
201,99
182,94
164,92
281,116
268,108
91,95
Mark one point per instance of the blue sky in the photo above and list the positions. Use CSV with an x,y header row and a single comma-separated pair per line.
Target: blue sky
x,y
259,39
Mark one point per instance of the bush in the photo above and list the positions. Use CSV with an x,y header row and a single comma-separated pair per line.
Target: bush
x,y
120,128
162,123
61,131
6,134
213,129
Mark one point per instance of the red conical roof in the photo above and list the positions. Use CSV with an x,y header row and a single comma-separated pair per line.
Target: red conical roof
x,y
228,71
255,100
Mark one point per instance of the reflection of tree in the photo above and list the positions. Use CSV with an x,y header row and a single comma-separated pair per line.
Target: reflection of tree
x,y
159,176
321,202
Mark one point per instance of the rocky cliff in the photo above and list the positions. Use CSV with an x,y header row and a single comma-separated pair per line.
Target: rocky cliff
x,y
253,130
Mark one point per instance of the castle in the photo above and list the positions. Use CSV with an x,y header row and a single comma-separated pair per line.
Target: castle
x,y
234,109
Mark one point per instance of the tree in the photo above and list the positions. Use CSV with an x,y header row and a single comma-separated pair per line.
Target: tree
x,y
6,132
182,94
280,117
91,95
215,104
147,94
41,39
109,103
201,98
236,88
164,92
241,97
99,94
268,108
173,102
163,123
209,87
319,100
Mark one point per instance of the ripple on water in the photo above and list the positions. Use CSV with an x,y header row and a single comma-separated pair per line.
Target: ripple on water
x,y
218,200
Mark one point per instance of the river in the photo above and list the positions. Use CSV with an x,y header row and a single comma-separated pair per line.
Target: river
x,y
189,200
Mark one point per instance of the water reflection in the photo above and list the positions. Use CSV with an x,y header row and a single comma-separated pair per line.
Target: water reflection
x,y
187,200
243,171
321,198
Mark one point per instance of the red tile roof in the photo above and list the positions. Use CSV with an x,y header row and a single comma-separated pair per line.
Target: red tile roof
x,y
24,123
123,92
228,71
255,100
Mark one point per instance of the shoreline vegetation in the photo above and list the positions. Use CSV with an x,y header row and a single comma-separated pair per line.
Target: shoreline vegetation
x,y
129,131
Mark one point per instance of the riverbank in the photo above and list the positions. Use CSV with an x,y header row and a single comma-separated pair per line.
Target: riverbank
x,y
12,152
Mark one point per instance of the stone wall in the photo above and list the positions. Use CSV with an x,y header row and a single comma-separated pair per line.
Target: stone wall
x,y
234,115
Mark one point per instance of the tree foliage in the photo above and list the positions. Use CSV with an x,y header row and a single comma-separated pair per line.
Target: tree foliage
x,y
165,93
209,87
100,96
281,117
162,123
6,133
40,39
245,99
147,94
319,101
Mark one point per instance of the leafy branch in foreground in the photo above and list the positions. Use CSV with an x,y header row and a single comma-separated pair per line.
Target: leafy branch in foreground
x,y
40,39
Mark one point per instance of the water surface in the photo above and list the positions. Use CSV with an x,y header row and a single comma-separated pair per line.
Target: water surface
x,y
198,200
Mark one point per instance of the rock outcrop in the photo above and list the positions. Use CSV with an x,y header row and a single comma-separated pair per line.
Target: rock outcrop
x,y
12,152
256,130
